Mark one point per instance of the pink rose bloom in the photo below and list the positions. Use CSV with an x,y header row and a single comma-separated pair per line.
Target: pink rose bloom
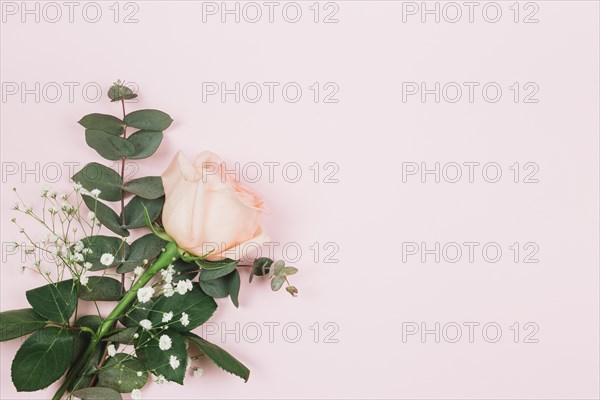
x,y
206,209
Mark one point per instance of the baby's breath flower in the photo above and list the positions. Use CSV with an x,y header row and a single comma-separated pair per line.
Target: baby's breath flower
x,y
107,259
95,193
145,294
136,394
15,206
164,343
111,350
91,216
160,380
87,265
198,372
146,324
167,316
168,290
138,271
77,187
184,286
52,210
84,280
174,362
185,319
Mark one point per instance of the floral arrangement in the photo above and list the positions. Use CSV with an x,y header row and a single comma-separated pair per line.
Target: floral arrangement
x,y
199,226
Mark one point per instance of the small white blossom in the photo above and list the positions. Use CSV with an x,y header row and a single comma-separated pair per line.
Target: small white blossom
x,y
160,380
198,372
167,316
78,257
52,210
136,335
95,193
87,265
111,350
87,250
146,324
168,290
91,216
136,394
184,286
15,206
45,191
174,362
78,246
139,373
185,319
145,294
164,343
168,273
77,187
64,196
107,259
138,271
84,280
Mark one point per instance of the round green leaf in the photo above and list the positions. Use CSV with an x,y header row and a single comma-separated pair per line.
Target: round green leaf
x,y
152,120
97,176
197,304
149,187
145,142
100,288
157,360
97,393
147,247
103,122
100,245
121,373
17,323
277,282
42,359
118,92
57,302
108,146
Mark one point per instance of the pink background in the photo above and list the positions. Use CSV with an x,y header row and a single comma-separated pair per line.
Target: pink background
x,y
369,133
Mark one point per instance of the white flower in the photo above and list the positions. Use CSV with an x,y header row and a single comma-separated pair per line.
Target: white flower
x,y
168,273
168,290
107,259
78,257
78,246
145,294
167,316
52,210
146,324
84,280
45,191
64,196
15,206
174,362
136,335
95,193
77,187
198,372
87,265
164,343
139,373
184,286
87,250
136,394
160,380
111,350
91,216
138,271
185,319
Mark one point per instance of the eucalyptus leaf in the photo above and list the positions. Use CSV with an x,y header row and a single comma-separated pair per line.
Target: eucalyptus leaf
x,y
277,267
147,247
289,271
121,373
149,187
89,321
261,266
17,323
100,288
184,270
277,282
152,120
145,143
108,146
125,336
98,176
134,211
223,286
157,360
100,245
103,122
220,357
106,215
97,393
196,304
118,92
42,359
57,302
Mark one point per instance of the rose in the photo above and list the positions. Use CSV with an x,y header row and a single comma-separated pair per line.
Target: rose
x,y
207,210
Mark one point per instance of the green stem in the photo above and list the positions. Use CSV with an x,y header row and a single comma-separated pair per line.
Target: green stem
x,y
165,259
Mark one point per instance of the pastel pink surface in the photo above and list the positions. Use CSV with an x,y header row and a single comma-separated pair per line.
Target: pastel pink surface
x,y
369,293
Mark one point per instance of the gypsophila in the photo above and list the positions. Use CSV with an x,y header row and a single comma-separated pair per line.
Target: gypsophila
x,y
168,290
138,271
84,280
136,394
87,265
95,193
167,316
111,350
164,343
184,286
174,362
91,216
198,372
160,380
185,319
146,324
107,259
145,294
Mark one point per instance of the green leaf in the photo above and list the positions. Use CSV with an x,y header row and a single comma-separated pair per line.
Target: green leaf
x,y
157,230
100,245
277,282
149,187
289,271
277,268
196,304
261,266
145,142
100,288
216,269
224,286
17,323
57,302
184,270
220,357
97,393
97,176
147,247
135,314
135,214
118,92
81,380
42,359
152,120
157,360
103,122
89,321
125,336
108,146
120,373
106,215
